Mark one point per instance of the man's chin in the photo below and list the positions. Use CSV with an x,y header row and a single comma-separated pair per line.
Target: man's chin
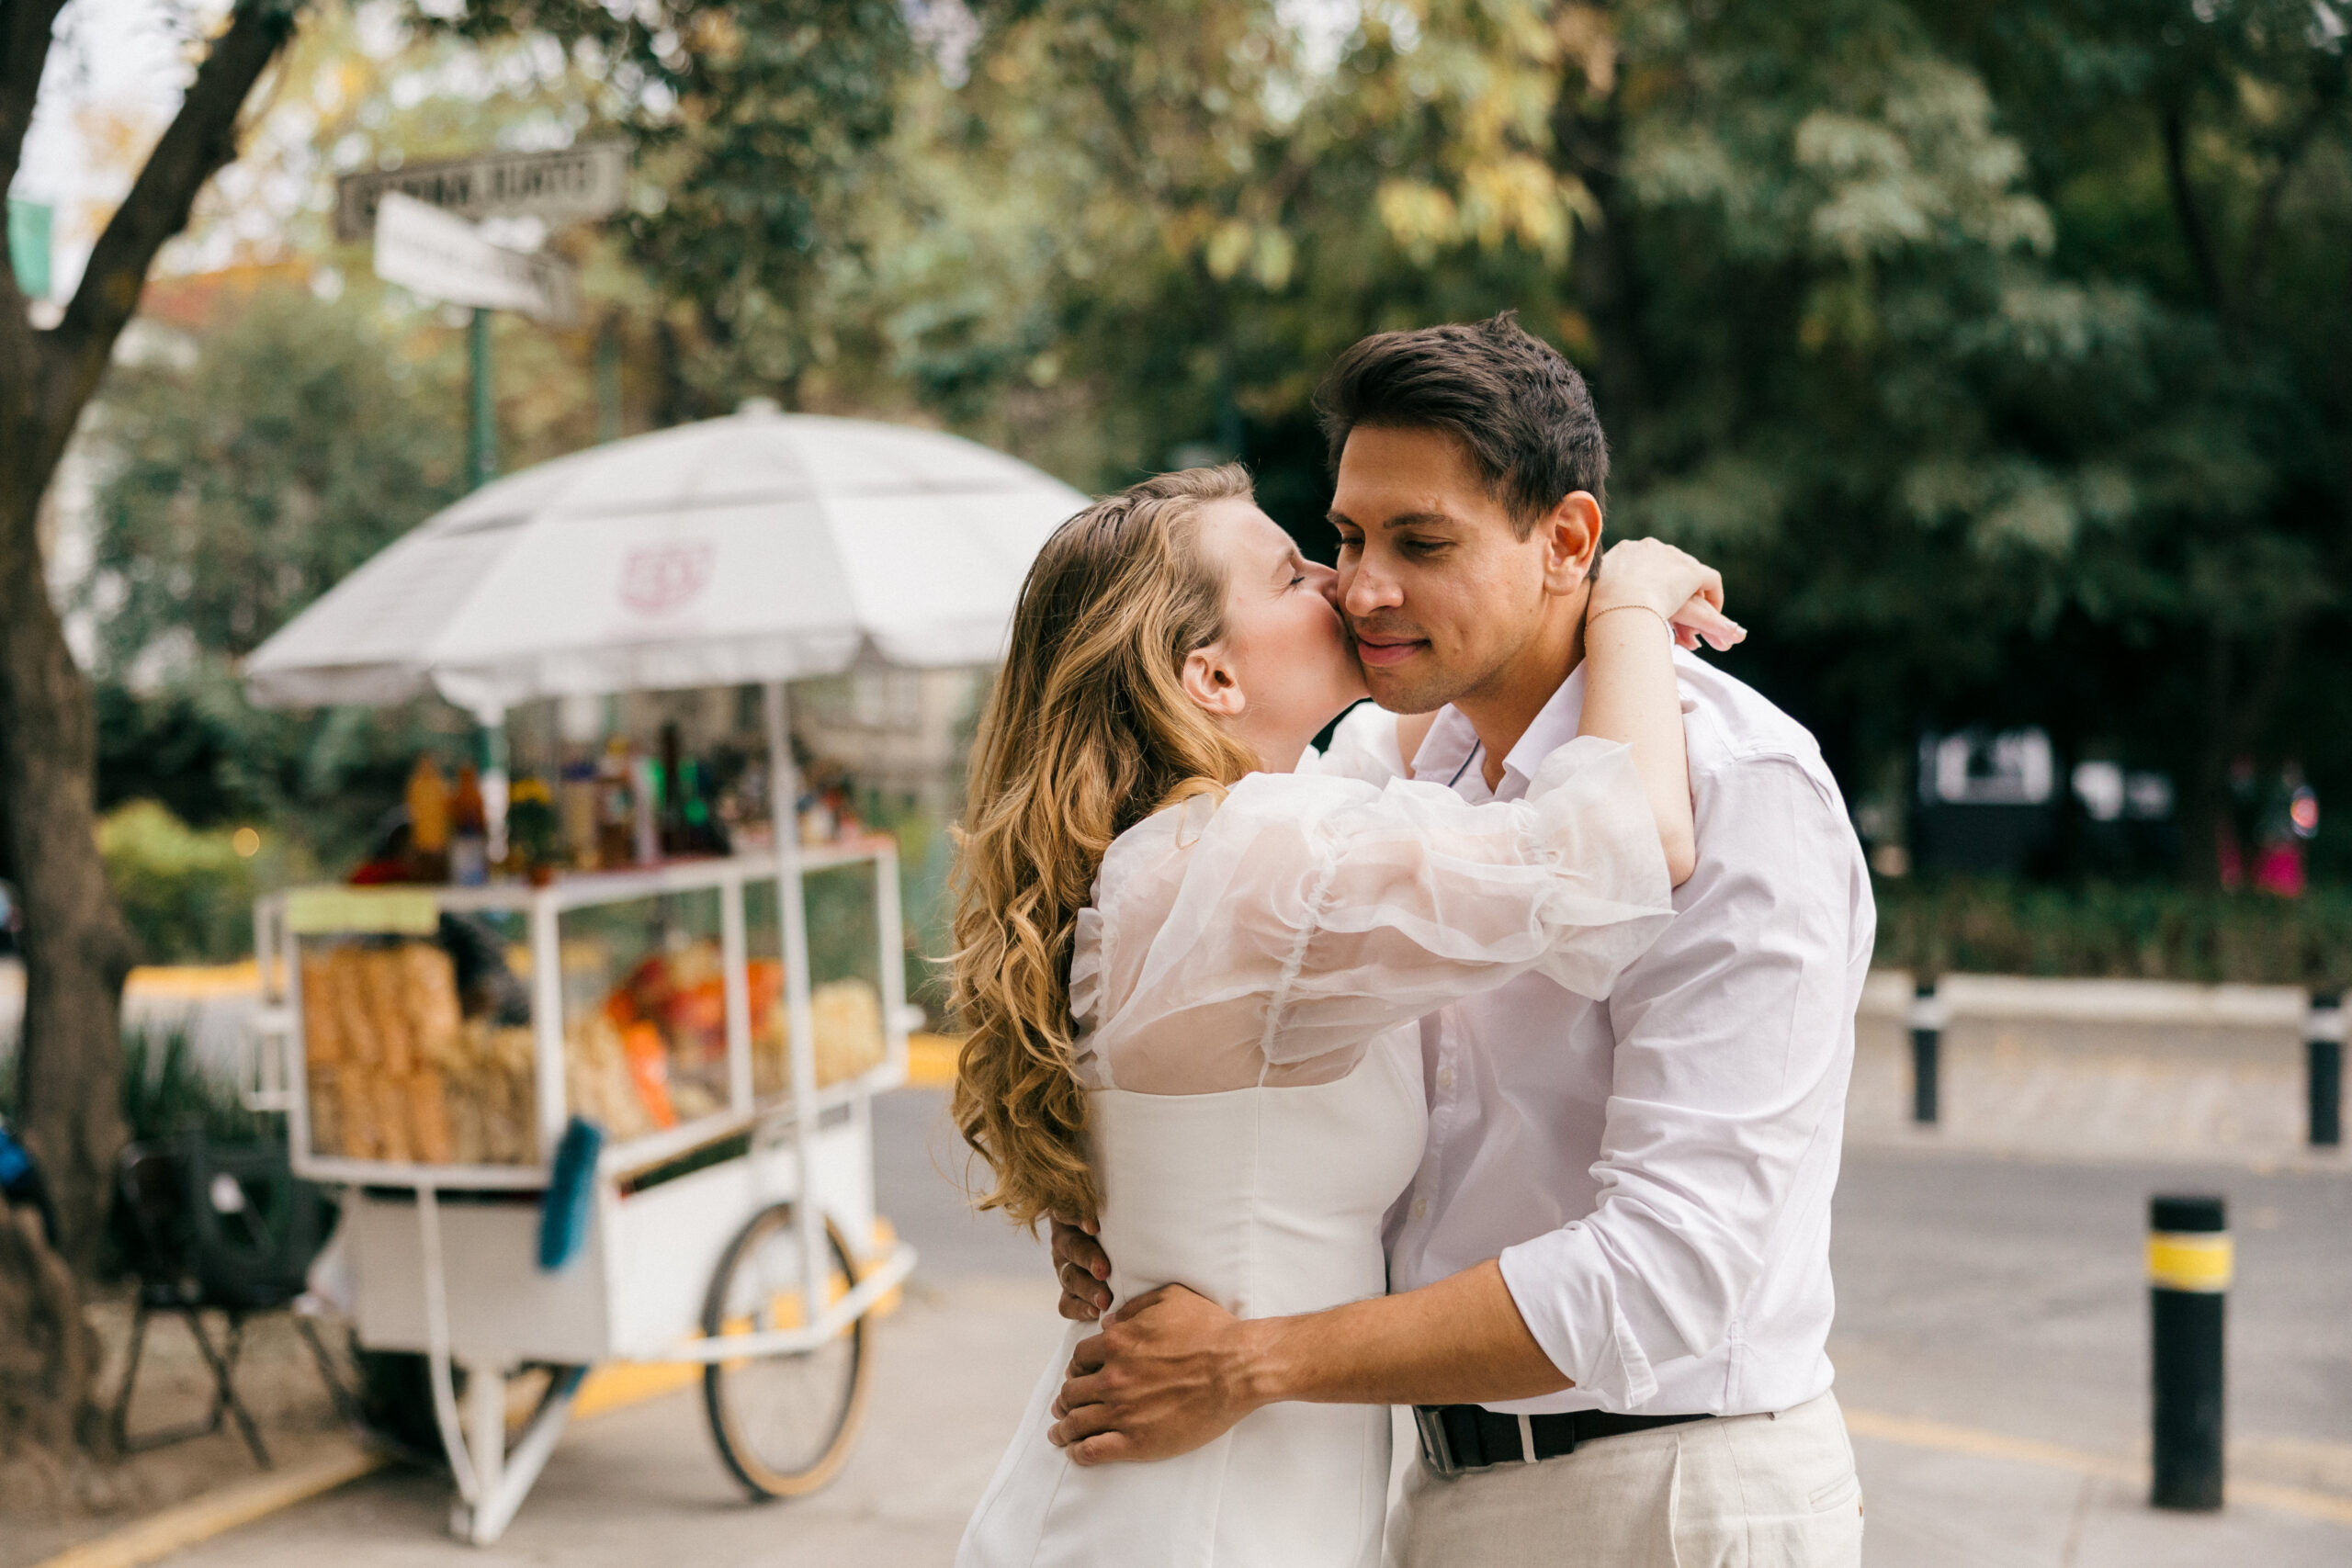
x,y
1401,692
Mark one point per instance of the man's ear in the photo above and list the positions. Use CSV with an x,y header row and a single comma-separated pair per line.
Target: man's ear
x,y
1208,681
1571,533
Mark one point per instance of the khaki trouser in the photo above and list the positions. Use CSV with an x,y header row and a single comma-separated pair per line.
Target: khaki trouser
x,y
1774,1490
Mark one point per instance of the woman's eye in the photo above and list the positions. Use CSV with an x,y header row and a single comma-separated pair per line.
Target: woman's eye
x,y
1298,579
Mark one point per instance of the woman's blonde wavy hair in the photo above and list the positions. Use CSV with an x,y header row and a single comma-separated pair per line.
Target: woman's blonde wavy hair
x,y
1086,732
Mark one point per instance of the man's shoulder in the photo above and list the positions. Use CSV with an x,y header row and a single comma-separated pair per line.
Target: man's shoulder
x,y
1730,723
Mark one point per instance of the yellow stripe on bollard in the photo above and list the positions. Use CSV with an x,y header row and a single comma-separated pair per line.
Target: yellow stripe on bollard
x,y
2188,1260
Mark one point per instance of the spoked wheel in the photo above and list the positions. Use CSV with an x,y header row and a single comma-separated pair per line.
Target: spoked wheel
x,y
784,1424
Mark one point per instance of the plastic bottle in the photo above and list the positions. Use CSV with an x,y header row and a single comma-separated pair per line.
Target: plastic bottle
x,y
469,831
616,809
428,820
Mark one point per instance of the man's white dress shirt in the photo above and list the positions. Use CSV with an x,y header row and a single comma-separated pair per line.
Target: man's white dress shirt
x,y
1655,1170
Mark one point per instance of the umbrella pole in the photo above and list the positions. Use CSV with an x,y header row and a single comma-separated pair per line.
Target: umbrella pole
x,y
784,778
784,799
494,782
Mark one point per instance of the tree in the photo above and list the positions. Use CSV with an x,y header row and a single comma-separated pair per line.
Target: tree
x,y
2197,158
74,947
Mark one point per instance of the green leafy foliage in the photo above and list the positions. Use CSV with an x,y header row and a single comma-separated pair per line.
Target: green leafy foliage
x,y
241,482
2116,932
186,896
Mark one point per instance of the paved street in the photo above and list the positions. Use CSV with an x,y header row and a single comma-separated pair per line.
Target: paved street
x,y
1991,1350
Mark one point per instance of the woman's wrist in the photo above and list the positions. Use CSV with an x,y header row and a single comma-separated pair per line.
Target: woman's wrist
x,y
1609,596
1596,611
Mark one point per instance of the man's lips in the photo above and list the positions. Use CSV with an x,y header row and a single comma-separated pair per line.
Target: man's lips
x,y
1382,652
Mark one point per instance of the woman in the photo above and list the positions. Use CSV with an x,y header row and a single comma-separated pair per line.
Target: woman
x,y
1191,973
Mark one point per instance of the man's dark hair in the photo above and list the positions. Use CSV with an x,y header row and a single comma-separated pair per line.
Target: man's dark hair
x,y
1516,406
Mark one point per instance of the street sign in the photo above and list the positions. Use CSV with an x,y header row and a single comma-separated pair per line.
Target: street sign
x,y
565,187
28,247
442,256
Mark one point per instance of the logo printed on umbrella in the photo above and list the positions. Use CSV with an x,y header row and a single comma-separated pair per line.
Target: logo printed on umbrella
x,y
658,578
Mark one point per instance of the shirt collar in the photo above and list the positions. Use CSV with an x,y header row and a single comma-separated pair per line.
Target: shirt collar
x,y
1452,745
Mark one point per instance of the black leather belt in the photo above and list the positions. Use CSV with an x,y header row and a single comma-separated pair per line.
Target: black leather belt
x,y
1455,1438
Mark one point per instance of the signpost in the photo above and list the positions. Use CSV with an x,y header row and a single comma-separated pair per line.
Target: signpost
x,y
573,185
442,256
418,215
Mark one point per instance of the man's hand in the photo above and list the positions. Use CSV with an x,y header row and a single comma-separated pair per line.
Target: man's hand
x,y
1169,1373
1082,1267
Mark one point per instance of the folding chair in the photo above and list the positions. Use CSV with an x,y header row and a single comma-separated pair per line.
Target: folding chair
x,y
218,1229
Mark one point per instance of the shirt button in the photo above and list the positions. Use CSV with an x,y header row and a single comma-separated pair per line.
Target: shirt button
x,y
1421,1208
1445,1078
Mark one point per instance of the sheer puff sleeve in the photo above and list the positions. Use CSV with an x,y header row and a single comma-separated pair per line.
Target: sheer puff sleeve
x,y
1269,938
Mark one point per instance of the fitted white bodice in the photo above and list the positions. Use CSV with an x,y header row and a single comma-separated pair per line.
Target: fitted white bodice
x,y
1268,1202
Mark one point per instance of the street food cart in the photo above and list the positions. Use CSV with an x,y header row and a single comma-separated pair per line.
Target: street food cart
x,y
624,1116
438,1043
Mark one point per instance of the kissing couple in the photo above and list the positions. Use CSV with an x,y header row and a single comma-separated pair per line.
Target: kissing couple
x,y
1493,1064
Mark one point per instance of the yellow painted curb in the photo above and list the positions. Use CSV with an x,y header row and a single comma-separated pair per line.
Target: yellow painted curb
x,y
1914,1432
623,1383
200,1519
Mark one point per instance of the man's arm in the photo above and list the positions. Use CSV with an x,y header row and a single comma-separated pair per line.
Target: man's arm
x,y
1172,1370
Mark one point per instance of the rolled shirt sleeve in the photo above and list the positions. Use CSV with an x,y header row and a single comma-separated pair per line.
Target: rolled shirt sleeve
x,y
1730,1064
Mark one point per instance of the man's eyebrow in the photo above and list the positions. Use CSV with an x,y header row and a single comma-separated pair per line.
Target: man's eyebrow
x,y
1402,520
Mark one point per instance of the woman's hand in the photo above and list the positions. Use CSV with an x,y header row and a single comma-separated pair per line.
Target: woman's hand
x,y
1682,590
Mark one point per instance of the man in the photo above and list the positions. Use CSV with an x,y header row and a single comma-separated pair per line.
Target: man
x,y
1611,1276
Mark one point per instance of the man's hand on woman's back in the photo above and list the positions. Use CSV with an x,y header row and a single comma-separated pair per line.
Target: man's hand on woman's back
x,y
1083,1269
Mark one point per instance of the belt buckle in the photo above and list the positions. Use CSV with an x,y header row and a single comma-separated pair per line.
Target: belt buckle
x,y
1436,1449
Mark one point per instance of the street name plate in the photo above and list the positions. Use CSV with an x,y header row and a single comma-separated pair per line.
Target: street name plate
x,y
566,186
442,256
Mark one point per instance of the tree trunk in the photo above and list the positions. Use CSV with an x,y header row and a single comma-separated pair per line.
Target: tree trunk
x,y
75,951
49,1358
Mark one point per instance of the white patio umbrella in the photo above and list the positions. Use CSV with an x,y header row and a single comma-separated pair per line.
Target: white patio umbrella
x,y
758,548
764,547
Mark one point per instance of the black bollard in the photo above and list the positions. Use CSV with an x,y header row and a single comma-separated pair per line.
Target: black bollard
x,y
2323,1068
1927,1019
2188,1281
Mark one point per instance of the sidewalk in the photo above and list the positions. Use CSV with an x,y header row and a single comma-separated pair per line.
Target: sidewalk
x,y
2023,1079
1991,1347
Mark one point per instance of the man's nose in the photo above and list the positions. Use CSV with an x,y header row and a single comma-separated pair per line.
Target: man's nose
x,y
1364,589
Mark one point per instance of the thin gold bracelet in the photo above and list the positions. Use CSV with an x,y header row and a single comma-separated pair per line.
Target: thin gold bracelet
x,y
1613,609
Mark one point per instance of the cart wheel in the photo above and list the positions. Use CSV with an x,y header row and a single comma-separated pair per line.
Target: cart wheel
x,y
784,1424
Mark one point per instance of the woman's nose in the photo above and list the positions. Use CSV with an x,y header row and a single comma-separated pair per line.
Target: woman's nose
x,y
1326,582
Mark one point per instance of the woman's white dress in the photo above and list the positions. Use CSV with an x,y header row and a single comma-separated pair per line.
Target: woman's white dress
x,y
1245,985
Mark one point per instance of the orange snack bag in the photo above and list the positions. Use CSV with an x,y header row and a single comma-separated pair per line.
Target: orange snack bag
x,y
648,1071
428,1119
322,1010
355,1105
390,1097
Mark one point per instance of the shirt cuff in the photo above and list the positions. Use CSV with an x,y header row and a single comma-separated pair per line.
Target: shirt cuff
x,y
1565,1296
